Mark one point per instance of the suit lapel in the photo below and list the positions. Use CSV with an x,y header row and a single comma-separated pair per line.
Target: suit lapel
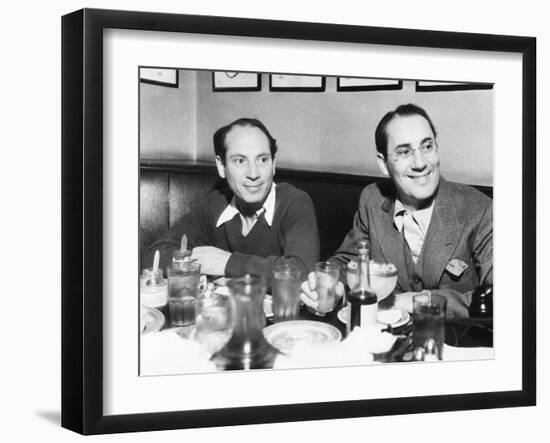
x,y
391,243
442,236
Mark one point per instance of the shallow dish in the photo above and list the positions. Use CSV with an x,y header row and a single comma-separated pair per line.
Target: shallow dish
x,y
151,320
343,316
286,335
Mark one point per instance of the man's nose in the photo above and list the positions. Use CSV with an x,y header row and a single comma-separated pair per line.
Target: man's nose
x,y
418,160
252,171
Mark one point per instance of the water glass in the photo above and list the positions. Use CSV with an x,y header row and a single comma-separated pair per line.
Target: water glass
x,y
213,319
153,288
179,257
285,285
429,321
326,274
183,287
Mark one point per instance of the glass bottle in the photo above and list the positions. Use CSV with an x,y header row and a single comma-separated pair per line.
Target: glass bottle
x,y
247,348
353,268
363,300
481,305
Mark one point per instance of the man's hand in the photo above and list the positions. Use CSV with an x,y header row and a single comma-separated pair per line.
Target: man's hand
x,y
211,259
309,295
405,301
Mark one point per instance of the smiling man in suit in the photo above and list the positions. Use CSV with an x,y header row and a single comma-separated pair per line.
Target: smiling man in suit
x,y
438,234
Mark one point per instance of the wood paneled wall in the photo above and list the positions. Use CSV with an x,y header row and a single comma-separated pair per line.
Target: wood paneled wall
x,y
170,189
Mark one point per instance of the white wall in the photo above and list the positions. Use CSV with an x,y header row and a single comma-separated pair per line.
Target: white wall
x,y
321,131
168,118
30,369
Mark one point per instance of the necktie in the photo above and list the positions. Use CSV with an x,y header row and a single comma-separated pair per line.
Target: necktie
x,y
413,235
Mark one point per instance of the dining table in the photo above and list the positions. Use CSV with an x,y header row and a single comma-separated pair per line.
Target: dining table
x,y
468,338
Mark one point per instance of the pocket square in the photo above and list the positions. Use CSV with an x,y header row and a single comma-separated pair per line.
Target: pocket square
x,y
456,267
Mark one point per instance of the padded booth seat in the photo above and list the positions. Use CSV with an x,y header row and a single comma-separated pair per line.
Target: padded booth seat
x,y
170,189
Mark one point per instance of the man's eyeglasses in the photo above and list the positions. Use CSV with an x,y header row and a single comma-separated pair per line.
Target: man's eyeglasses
x,y
403,153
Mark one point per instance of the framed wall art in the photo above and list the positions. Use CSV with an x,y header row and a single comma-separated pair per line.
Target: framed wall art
x,y
236,81
422,85
132,154
162,77
367,84
296,83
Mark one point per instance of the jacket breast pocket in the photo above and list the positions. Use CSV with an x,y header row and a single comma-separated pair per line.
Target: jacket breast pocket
x,y
466,281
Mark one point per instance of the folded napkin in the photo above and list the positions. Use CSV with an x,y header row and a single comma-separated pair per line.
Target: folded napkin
x,y
370,339
451,353
166,352
307,355
357,349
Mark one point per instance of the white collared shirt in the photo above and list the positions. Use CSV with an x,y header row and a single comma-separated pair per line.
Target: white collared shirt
x,y
416,225
231,210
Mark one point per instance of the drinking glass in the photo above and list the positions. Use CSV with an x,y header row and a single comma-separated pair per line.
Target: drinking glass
x,y
183,285
153,288
213,319
247,348
326,274
383,277
179,257
429,321
285,285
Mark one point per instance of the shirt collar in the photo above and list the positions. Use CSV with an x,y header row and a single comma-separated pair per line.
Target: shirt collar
x,y
269,207
422,216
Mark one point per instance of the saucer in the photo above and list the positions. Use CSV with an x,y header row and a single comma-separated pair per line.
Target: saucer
x,y
285,336
343,316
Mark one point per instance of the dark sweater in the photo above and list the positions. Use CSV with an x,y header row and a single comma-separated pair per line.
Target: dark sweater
x,y
293,234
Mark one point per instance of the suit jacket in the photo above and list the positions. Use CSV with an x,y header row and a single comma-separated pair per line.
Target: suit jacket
x,y
461,229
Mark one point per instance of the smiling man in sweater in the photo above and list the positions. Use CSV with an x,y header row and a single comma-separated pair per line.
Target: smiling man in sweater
x,y
246,227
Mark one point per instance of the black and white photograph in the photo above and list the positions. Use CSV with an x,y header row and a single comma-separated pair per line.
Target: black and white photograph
x,y
297,233
289,221
320,230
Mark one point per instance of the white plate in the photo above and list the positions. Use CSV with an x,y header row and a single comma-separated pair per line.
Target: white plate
x,y
286,335
221,281
343,316
151,320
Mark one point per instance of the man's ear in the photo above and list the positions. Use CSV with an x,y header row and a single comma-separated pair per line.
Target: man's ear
x,y
274,161
382,164
220,166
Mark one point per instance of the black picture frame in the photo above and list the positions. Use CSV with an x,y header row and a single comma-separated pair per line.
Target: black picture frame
x,y
158,80
288,84
430,86
390,85
82,218
255,83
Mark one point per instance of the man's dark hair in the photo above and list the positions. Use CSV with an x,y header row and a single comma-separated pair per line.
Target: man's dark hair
x,y
219,136
381,136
